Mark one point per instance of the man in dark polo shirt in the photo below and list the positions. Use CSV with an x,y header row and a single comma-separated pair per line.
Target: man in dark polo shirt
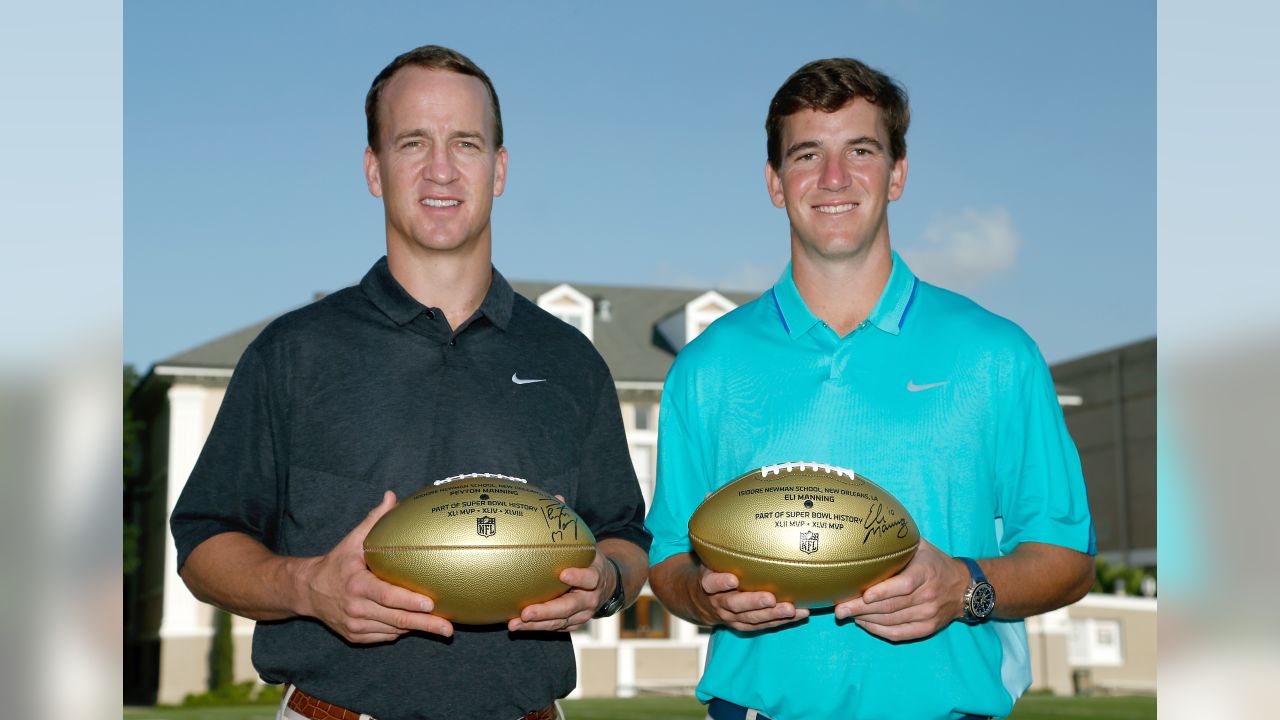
x,y
431,367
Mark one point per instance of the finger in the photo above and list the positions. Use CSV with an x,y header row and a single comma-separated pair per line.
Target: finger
x,y
356,627
397,619
587,578
909,614
382,508
901,584
714,582
425,622
765,619
396,597
740,602
850,608
563,624
862,608
898,633
367,638
557,609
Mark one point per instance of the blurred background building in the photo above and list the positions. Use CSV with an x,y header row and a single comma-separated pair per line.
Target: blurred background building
x,y
1106,642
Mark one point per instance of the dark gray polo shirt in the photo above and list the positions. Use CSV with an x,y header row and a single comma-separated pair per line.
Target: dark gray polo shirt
x,y
368,390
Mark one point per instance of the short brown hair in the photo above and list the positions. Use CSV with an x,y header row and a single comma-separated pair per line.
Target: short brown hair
x,y
431,57
829,85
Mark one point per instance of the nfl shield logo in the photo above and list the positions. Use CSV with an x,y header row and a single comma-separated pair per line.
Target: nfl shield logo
x,y
486,526
808,542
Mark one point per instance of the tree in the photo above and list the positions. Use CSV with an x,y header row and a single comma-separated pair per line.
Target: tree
x,y
131,473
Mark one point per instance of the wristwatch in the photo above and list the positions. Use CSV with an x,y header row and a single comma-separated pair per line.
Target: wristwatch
x,y
614,604
980,597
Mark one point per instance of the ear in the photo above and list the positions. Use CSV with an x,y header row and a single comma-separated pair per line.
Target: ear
x,y
774,184
372,174
898,178
500,172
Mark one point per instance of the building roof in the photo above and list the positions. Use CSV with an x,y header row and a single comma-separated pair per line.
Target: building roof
x,y
625,330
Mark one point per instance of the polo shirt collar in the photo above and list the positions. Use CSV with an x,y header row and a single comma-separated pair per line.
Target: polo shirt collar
x,y
887,314
896,298
396,303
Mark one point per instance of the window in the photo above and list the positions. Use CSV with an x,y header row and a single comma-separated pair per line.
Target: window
x,y
571,306
642,458
643,416
574,319
1096,642
704,310
646,619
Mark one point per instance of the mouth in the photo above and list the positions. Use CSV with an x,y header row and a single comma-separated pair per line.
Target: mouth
x,y
835,209
440,202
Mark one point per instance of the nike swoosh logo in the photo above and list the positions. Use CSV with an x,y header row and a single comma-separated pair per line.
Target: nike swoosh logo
x,y
522,381
912,387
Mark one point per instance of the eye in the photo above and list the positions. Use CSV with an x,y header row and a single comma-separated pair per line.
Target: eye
x,y
808,156
411,144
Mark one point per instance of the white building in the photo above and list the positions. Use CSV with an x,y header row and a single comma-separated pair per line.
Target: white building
x,y
638,331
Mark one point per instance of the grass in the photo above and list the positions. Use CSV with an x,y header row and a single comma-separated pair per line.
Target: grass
x,y
1031,707
1048,707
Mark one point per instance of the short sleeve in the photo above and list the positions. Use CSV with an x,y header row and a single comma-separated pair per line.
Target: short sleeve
x,y
234,484
609,497
681,483
1042,496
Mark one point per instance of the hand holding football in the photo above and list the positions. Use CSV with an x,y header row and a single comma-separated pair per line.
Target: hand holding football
x,y
481,546
809,533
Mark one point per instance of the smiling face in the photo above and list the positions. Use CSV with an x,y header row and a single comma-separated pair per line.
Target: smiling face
x,y
437,171
836,180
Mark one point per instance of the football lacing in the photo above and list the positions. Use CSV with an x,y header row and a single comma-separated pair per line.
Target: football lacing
x,y
480,475
802,465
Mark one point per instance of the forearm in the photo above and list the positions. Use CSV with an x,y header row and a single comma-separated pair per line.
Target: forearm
x,y
632,560
239,574
1036,578
677,583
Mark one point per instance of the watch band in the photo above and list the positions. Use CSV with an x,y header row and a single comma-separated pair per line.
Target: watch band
x,y
614,603
975,570
980,596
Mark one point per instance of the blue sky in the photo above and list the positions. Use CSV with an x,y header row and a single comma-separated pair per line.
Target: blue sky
x,y
637,150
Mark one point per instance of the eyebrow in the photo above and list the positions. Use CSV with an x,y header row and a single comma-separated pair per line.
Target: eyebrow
x,y
802,145
812,144
866,140
456,135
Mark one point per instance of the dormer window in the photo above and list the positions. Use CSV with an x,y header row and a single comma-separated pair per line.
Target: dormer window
x,y
696,316
571,306
703,310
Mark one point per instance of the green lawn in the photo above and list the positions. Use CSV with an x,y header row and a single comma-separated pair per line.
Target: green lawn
x,y
1031,707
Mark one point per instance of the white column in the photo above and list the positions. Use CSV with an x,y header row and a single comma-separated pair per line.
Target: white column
x,y
187,433
626,669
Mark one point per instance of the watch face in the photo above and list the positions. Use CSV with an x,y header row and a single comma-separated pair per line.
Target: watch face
x,y
983,600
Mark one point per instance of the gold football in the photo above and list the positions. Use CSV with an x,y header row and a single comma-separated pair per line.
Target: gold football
x,y
481,546
809,533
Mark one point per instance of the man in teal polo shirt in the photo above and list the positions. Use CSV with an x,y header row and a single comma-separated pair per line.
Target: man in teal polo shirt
x,y
850,360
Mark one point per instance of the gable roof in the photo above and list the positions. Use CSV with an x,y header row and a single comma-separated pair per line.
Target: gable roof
x,y
626,334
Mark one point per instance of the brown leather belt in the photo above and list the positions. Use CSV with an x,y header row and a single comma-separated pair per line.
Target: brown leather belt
x,y
309,706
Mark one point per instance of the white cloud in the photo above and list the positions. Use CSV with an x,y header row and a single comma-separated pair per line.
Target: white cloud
x,y
744,276
963,250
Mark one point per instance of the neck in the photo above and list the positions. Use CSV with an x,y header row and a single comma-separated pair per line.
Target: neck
x,y
454,281
844,291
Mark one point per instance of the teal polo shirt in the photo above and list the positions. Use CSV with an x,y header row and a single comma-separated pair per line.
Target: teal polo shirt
x,y
947,406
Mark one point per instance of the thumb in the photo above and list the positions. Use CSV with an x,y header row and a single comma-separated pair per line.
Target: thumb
x,y
382,508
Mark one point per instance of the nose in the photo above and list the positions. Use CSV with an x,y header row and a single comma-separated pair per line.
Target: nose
x,y
439,166
835,176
